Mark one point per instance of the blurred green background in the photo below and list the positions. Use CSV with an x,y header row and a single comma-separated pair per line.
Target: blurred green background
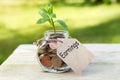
x,y
90,21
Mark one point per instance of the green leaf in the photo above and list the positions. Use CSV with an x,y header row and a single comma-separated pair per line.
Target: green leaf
x,y
62,23
43,13
53,15
49,8
42,20
44,10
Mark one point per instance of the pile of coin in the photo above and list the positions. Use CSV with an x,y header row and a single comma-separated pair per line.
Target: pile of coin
x,y
47,53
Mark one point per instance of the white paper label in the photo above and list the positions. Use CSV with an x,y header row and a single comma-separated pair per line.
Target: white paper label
x,y
74,54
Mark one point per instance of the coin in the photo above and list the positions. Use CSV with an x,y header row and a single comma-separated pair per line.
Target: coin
x,y
56,62
54,51
41,51
53,45
63,64
45,61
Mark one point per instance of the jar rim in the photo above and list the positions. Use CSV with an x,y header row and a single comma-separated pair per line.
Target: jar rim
x,y
56,31
48,32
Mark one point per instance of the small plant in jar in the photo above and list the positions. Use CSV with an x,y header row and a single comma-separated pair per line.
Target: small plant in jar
x,y
47,46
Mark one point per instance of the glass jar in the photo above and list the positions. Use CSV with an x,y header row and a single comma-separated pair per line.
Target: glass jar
x,y
47,49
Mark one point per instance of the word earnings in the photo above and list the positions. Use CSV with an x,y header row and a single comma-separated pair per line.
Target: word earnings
x,y
69,50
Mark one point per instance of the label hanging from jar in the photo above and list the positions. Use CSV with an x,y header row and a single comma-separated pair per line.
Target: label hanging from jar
x,y
74,54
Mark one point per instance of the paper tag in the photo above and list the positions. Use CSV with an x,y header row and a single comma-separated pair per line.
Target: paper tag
x,y
74,54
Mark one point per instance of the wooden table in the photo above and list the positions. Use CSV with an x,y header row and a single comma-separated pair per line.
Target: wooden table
x,y
22,65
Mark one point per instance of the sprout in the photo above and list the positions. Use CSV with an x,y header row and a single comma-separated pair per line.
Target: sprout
x,y
48,16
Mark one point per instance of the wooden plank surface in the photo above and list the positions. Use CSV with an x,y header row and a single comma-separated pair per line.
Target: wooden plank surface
x,y
22,65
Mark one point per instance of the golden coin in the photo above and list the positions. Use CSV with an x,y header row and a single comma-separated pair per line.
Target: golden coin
x,y
56,62
45,61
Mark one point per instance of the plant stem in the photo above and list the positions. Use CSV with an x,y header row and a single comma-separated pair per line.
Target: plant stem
x,y
53,26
